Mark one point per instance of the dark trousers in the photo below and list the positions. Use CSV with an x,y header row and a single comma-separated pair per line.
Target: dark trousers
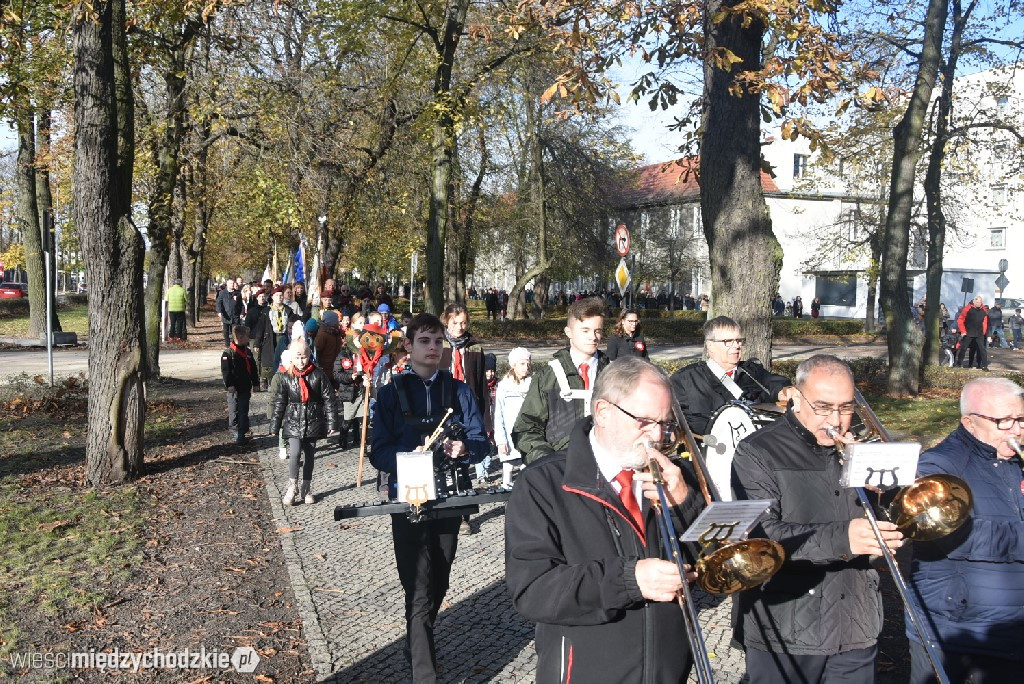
x,y
304,448
424,552
849,667
238,411
177,324
962,667
977,346
227,331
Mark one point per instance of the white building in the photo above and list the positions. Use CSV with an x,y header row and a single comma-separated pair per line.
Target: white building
x,y
814,205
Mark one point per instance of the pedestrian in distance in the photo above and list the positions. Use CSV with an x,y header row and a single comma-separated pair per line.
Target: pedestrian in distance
x,y
241,376
973,325
1017,325
229,309
305,409
508,400
798,307
626,339
176,299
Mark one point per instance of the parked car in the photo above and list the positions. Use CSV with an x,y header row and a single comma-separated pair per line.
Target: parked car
x,y
13,290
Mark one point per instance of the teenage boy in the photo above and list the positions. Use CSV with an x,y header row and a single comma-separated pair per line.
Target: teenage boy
x,y
425,550
241,374
560,392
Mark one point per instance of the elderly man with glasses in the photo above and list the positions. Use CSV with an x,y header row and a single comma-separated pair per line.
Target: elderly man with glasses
x,y
703,387
818,618
971,583
583,558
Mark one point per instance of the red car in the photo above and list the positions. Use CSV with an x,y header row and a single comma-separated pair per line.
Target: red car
x,y
13,290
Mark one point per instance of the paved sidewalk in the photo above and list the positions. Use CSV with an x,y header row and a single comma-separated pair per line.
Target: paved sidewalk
x,y
351,602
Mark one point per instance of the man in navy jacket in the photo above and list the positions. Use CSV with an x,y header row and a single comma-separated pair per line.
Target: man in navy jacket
x,y
971,583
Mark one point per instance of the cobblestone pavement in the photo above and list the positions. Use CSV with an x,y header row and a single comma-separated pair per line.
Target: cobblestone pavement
x,y
351,602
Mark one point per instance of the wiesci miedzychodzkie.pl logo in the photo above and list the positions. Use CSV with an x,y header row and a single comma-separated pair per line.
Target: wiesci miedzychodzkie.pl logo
x,y
243,659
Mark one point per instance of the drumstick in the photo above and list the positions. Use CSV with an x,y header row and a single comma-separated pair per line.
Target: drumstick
x,y
437,432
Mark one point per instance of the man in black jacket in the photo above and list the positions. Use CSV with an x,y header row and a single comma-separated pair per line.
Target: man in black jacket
x,y
705,386
582,552
818,618
229,309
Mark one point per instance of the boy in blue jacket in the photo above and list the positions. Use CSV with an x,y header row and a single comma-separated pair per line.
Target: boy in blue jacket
x,y
424,550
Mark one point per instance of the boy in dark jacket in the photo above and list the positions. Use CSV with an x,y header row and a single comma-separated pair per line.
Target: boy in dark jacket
x,y
424,550
241,374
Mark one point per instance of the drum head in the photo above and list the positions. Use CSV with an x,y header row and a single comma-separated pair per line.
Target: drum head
x,y
727,428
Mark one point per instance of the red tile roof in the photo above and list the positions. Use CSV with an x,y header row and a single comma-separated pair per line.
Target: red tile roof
x,y
668,183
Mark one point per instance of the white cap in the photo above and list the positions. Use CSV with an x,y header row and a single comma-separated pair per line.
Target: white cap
x,y
298,331
518,354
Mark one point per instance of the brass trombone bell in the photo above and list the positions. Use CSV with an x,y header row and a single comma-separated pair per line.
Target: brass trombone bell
x,y
931,507
739,565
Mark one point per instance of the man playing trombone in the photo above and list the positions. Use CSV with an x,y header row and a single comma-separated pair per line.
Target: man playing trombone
x,y
818,618
971,583
583,556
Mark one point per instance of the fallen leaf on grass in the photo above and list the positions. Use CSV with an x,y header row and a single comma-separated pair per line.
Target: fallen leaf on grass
x,y
52,526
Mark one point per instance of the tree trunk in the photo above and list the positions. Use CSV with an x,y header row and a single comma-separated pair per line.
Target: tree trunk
x,y
28,216
933,189
44,201
166,150
443,148
112,247
904,336
746,259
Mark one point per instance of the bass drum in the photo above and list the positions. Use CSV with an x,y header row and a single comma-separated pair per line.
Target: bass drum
x,y
728,426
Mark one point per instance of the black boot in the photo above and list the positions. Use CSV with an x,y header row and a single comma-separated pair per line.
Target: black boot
x,y
343,438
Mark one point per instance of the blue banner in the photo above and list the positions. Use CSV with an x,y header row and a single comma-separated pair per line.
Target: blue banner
x,y
299,274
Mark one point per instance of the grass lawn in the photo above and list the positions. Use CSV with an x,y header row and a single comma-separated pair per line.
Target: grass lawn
x,y
72,319
64,544
925,419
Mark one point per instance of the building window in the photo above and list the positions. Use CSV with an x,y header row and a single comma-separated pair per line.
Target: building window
x,y
999,195
1003,105
997,238
836,289
799,165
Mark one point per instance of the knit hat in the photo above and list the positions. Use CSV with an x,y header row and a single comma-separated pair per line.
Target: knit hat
x,y
330,318
490,362
383,308
298,331
518,354
312,326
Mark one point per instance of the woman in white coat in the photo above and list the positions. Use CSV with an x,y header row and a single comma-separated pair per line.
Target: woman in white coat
x,y
508,399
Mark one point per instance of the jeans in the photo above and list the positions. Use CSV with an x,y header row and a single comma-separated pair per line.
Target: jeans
x,y
1017,338
305,448
999,337
177,325
238,411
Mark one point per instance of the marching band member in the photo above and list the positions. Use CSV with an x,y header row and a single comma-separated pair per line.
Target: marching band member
x,y
704,387
971,583
818,618
582,546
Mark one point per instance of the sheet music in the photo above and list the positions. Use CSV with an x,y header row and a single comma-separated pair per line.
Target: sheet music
x,y
727,520
416,476
880,464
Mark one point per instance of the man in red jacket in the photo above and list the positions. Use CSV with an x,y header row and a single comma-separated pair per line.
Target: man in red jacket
x,y
973,325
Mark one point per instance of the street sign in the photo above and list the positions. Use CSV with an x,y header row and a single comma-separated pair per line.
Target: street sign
x,y
622,277
1003,265
622,240
1002,281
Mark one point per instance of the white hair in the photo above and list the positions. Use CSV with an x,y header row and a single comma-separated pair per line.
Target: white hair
x,y
982,387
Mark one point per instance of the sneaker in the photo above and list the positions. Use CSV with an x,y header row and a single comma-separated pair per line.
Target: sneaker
x,y
282,453
506,488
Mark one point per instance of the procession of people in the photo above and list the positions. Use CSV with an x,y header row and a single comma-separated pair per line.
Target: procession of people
x,y
576,438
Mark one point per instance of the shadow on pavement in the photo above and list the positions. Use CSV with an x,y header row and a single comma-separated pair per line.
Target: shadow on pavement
x,y
476,638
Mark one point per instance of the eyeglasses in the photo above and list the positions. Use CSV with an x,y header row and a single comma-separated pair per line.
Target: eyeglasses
x,y
667,426
820,408
733,342
1004,423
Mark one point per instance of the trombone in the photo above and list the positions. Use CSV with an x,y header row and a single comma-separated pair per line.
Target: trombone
x,y
930,508
726,569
